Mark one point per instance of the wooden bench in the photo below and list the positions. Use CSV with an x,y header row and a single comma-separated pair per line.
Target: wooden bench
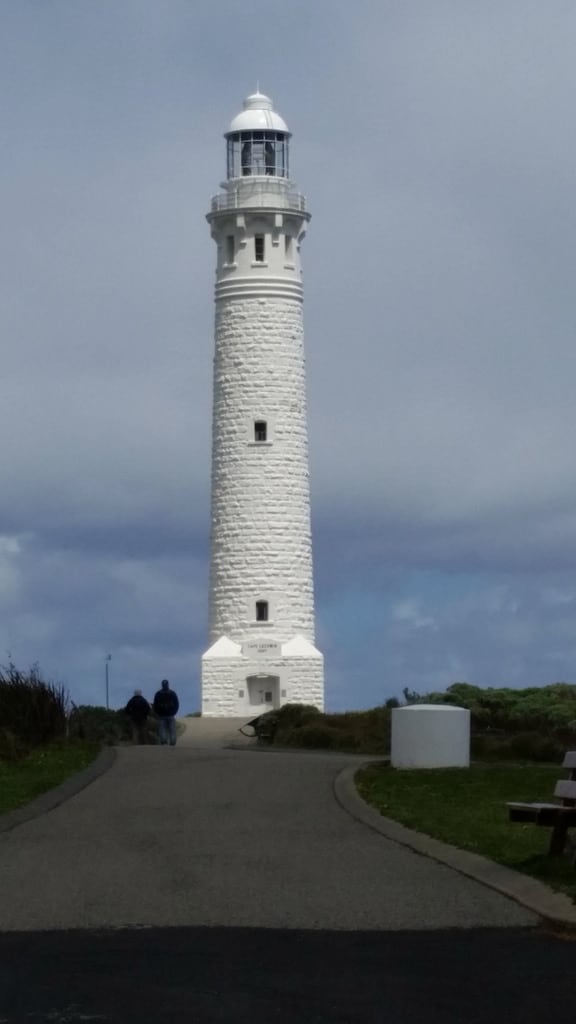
x,y
559,816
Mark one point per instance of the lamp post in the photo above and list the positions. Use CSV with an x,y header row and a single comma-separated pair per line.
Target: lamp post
x,y
108,660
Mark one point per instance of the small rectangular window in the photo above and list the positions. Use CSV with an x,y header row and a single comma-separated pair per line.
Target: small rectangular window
x,y
289,247
260,430
240,693
230,249
268,697
259,248
261,611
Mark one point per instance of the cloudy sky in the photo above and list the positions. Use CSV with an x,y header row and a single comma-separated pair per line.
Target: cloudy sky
x,y
435,144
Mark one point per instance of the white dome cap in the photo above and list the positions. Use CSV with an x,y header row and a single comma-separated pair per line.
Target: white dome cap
x,y
258,114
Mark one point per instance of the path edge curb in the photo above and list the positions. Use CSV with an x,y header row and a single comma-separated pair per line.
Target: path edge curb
x,y
59,794
552,907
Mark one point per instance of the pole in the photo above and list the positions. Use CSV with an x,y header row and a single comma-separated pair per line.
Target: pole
x,y
108,659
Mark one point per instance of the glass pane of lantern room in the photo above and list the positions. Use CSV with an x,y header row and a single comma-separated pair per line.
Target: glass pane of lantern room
x,y
246,153
258,165
280,162
234,156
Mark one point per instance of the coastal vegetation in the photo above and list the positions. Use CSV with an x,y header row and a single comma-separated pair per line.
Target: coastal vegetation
x,y
37,751
536,723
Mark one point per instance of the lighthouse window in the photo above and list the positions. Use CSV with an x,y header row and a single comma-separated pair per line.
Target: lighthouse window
x,y
261,611
269,158
247,157
230,249
289,247
258,153
259,248
260,430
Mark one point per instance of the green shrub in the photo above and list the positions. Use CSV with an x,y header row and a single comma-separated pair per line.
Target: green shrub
x,y
523,746
295,715
98,724
32,711
11,747
533,747
301,725
272,725
537,723
291,718
103,725
314,735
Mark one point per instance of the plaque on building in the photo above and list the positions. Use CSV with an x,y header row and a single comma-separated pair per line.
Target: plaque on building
x,y
262,649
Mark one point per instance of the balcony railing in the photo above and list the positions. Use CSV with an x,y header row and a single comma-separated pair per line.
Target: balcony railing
x,y
262,193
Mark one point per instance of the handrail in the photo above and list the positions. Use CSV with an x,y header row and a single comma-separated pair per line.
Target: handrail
x,y
259,194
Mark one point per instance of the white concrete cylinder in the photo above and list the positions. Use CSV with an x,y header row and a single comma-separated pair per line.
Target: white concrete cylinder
x,y
430,736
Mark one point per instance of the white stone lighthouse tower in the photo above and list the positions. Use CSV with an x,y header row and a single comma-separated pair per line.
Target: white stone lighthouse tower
x,y
261,619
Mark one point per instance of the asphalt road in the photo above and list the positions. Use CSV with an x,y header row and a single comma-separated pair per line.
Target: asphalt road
x,y
176,836
251,976
208,885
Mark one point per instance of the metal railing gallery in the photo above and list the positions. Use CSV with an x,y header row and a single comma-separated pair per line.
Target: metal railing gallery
x,y
260,194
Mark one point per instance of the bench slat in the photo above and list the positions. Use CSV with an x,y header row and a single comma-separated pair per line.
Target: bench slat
x,y
570,759
534,806
549,815
565,789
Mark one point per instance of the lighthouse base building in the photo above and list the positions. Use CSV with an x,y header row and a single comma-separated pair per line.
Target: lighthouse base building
x,y
262,651
240,680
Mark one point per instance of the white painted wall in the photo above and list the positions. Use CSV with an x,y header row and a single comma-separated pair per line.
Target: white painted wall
x,y
301,677
260,546
261,543
430,736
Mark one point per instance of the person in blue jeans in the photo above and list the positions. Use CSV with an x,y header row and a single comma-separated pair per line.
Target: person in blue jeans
x,y
166,706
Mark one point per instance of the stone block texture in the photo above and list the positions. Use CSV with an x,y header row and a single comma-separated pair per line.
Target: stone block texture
x,y
225,691
260,544
260,533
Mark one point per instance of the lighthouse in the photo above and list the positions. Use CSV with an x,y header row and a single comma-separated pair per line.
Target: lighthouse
x,y
262,651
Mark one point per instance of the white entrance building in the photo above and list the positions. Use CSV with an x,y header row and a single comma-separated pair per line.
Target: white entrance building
x,y
261,616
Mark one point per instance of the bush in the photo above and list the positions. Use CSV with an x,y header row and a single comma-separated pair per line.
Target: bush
x,y
10,746
524,746
33,711
98,724
537,723
367,732
546,710
102,725
314,735
273,724
302,725
294,715
291,718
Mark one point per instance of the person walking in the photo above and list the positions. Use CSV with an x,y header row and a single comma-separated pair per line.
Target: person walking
x,y
166,706
138,710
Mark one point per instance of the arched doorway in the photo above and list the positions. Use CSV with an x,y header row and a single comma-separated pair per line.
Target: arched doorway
x,y
263,692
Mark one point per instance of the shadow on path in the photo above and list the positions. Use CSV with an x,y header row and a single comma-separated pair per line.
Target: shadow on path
x,y
211,975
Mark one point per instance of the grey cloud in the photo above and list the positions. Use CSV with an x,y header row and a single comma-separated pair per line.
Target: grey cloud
x,y
433,144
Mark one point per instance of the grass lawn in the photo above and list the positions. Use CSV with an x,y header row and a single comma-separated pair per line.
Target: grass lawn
x,y
467,808
21,781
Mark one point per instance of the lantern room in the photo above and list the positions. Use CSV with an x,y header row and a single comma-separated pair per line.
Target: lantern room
x,y
258,141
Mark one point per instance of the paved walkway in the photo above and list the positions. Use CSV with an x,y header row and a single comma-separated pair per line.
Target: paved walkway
x,y
198,835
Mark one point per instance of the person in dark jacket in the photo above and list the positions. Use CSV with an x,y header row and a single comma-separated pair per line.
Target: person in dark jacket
x,y
166,706
138,710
